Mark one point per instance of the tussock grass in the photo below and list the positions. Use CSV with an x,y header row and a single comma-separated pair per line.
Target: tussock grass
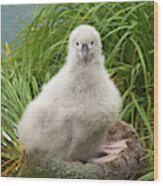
x,y
128,45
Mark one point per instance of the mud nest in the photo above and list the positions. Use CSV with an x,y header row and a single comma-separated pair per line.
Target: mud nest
x,y
121,158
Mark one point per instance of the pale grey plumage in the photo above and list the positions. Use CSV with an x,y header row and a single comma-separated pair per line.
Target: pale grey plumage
x,y
73,112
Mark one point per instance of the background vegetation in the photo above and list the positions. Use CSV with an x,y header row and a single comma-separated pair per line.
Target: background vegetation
x,y
127,34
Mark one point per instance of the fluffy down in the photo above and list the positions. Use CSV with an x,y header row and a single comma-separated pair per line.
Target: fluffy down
x,y
73,112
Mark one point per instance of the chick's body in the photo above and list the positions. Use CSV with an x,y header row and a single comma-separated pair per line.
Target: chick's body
x,y
72,114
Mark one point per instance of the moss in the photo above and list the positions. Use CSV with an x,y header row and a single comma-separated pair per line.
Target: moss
x,y
57,168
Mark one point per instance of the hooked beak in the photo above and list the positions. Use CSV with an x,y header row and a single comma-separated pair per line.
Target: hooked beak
x,y
84,52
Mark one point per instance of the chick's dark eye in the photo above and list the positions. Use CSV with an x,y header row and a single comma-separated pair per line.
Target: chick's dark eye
x,y
77,43
92,42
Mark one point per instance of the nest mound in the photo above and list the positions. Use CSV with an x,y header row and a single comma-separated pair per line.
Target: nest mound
x,y
121,158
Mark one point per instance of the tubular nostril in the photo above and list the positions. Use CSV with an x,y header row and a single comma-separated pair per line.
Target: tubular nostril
x,y
85,46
